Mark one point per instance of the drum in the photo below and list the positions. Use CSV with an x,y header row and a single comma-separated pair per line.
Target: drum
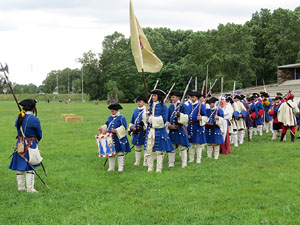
x,y
105,145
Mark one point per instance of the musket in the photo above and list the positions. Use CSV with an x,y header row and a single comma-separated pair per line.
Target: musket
x,y
5,71
184,94
29,164
203,85
264,86
233,91
196,83
206,81
167,96
222,84
212,86
153,89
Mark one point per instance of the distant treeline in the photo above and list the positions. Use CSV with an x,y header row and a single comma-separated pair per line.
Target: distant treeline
x,y
245,53
44,97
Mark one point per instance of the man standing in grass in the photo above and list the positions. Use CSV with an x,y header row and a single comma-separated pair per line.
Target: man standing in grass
x,y
277,126
267,103
257,112
197,120
157,140
178,120
30,134
117,125
239,115
137,128
287,115
213,127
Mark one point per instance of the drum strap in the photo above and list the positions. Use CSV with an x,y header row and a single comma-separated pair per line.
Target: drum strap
x,y
137,116
113,121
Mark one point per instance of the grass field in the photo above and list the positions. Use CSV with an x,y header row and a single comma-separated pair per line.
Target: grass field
x,y
258,183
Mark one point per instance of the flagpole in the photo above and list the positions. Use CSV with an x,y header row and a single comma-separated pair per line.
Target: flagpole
x,y
145,85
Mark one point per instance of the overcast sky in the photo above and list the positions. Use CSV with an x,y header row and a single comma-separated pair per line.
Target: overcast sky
x,y
38,36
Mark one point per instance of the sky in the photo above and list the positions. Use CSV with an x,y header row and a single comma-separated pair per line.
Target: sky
x,y
38,36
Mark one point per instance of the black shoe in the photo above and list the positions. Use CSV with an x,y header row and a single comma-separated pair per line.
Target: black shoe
x,y
298,137
282,136
292,137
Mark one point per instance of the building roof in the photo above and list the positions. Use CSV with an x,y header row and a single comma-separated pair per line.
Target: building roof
x,y
289,66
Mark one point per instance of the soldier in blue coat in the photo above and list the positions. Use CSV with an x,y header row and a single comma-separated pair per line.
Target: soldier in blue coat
x,y
267,104
137,129
117,125
157,140
213,128
178,120
196,131
257,112
31,127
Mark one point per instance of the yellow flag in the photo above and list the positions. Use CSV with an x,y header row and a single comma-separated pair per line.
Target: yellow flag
x,y
141,50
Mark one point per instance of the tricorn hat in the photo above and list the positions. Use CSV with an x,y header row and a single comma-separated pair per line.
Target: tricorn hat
x,y
141,98
255,95
115,106
28,103
194,93
212,100
176,93
158,92
237,97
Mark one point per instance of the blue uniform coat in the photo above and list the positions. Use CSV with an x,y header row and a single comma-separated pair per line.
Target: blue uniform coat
x,y
268,117
196,132
255,107
214,136
137,117
121,145
178,137
162,140
32,129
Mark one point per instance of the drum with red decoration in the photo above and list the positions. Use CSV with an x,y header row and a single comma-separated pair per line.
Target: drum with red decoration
x,y
105,145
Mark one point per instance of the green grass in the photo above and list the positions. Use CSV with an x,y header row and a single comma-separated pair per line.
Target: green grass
x,y
258,181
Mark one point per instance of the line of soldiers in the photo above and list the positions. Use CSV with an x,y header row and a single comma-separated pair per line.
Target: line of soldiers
x,y
157,129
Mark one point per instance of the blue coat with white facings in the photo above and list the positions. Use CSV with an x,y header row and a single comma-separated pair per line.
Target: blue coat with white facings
x,y
162,141
121,145
32,129
214,136
137,117
178,137
257,107
196,132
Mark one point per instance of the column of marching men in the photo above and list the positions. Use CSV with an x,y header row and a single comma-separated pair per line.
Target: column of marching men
x,y
186,129
158,130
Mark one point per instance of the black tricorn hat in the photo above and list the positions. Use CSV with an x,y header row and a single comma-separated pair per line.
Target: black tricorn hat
x,y
278,98
141,98
237,97
28,102
255,95
194,93
158,92
176,93
278,93
249,99
212,100
115,106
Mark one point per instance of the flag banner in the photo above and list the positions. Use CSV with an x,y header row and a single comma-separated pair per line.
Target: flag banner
x,y
142,52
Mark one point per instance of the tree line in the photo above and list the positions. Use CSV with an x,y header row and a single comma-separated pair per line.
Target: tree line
x,y
247,54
